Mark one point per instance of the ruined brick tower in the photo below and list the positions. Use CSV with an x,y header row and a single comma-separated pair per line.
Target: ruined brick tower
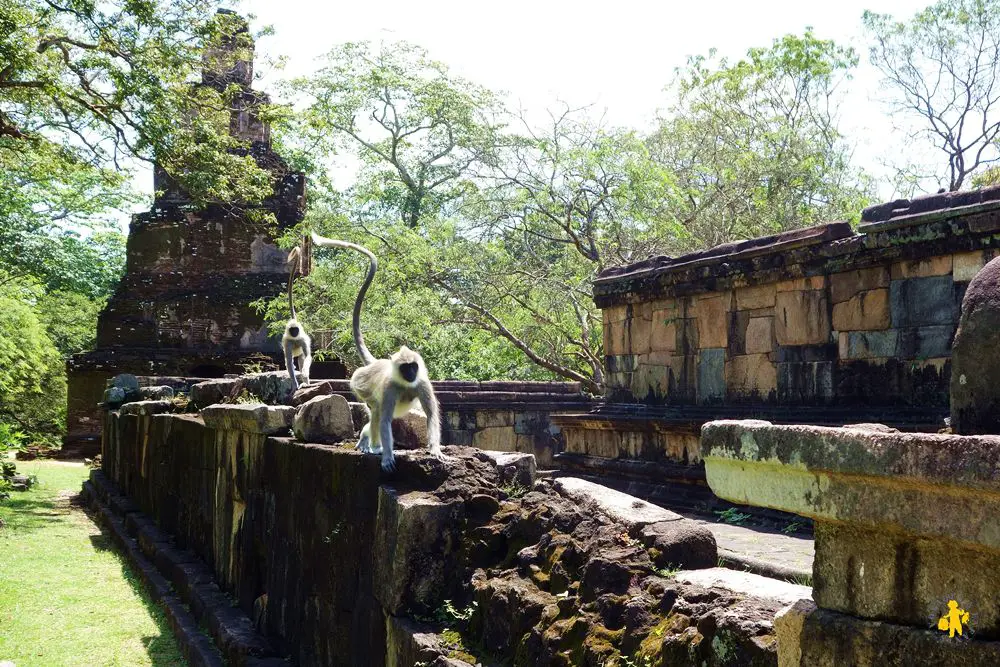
x,y
183,306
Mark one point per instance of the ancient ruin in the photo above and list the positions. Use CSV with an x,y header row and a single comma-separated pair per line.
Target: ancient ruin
x,y
183,307
807,373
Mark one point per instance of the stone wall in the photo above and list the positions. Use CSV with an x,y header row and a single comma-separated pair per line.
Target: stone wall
x,y
821,316
287,549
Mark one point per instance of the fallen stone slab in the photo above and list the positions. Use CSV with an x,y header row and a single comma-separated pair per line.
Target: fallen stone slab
x,y
746,583
631,511
249,418
310,392
273,388
325,419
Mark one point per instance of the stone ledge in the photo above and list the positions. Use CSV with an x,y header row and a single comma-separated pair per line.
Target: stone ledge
x,y
746,583
167,572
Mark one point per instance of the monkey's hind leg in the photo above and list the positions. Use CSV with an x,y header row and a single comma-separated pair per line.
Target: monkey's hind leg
x,y
364,442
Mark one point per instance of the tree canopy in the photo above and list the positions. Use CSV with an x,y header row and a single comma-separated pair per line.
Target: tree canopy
x,y
942,68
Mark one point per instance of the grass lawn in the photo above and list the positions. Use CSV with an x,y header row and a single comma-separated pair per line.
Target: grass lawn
x,y
66,598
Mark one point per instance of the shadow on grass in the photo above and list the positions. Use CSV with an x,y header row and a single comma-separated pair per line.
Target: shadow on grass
x,y
163,650
24,514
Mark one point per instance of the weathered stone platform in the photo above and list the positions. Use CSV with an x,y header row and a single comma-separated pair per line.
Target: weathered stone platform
x,y
904,523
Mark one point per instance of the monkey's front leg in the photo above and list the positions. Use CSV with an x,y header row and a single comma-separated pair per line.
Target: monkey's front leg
x,y
384,426
290,366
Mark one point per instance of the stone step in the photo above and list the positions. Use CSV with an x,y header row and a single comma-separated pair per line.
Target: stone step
x,y
182,584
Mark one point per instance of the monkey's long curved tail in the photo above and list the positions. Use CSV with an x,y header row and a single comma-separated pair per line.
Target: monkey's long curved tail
x,y
359,342
294,255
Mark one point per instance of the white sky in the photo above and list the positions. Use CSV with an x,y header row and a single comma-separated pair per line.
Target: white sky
x,y
617,56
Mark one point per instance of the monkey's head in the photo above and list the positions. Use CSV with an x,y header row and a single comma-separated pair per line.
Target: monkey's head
x,y
407,364
293,329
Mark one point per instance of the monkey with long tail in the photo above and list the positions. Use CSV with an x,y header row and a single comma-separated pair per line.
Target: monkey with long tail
x,y
388,386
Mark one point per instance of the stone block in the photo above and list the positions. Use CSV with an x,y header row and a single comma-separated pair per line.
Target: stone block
x,y
710,314
615,341
325,419
147,408
614,314
156,393
757,296
663,331
309,392
210,392
745,583
801,318
919,301
498,439
492,418
966,265
800,284
922,268
249,418
359,415
129,383
681,543
640,328
410,430
760,335
513,467
869,573
872,344
807,635
925,342
413,537
844,286
711,375
975,389
866,311
805,382
271,388
751,375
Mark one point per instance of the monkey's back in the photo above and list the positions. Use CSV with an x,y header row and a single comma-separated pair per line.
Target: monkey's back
x,y
367,381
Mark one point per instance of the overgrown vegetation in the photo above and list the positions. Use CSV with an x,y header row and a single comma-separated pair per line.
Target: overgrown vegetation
x,y
82,607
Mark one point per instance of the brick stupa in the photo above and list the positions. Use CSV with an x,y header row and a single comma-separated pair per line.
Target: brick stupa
x,y
183,307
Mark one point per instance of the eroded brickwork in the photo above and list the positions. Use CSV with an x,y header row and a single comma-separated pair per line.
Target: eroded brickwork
x,y
184,305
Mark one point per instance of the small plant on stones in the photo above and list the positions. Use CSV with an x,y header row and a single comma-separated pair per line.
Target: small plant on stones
x,y
669,571
245,397
626,540
514,489
733,516
636,661
793,527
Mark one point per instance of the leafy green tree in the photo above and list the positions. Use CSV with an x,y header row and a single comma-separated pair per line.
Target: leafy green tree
x,y
32,378
418,131
942,68
753,145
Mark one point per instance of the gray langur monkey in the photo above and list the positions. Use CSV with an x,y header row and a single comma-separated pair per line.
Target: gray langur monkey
x,y
390,386
296,342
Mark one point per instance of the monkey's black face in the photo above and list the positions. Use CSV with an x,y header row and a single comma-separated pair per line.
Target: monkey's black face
x,y
409,371
293,332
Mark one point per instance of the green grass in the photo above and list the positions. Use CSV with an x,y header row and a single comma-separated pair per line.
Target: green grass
x,y
66,598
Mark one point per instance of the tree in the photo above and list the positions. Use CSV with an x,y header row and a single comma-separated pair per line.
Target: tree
x,y
84,85
754,146
417,130
942,67
32,378
563,203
